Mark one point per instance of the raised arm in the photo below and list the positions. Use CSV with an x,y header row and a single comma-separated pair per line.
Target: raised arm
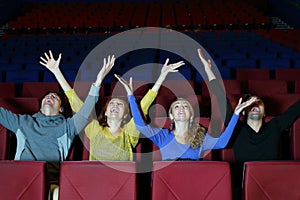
x,y
207,66
166,69
225,136
137,116
53,65
81,118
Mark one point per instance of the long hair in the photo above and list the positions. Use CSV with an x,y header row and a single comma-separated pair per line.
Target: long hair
x,y
102,118
196,132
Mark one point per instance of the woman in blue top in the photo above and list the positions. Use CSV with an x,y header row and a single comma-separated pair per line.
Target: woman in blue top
x,y
187,140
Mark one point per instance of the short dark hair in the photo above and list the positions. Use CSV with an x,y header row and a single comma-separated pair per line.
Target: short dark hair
x,y
63,99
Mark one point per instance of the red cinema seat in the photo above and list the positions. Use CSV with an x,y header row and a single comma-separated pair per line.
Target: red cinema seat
x,y
22,180
3,143
244,74
267,87
21,105
7,89
38,89
295,140
274,180
93,180
190,180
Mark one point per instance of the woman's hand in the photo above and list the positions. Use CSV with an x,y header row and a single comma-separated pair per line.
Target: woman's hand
x,y
127,85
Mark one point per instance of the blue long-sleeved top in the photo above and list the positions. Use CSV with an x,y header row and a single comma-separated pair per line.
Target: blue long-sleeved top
x,y
165,138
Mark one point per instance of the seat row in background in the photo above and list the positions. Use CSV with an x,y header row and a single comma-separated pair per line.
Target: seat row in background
x,y
257,81
118,16
170,180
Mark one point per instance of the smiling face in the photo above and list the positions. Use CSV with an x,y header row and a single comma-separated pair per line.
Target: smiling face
x,y
116,109
51,104
256,111
181,110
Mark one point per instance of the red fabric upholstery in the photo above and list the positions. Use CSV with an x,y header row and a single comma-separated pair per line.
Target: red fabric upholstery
x,y
267,87
21,105
7,89
244,74
190,180
272,180
38,89
295,140
3,143
97,180
22,180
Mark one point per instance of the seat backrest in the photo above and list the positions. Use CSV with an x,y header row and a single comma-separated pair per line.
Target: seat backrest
x,y
244,74
271,180
3,143
295,140
7,89
267,87
21,105
190,180
289,74
24,180
38,89
94,179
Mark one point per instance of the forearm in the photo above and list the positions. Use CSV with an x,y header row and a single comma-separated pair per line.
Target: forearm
x,y
61,80
158,83
226,135
81,118
223,104
210,74
136,114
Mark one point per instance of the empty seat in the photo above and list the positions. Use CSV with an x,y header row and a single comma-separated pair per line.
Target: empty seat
x,y
178,88
95,179
3,143
190,180
140,88
7,89
275,63
244,74
38,89
276,104
23,180
21,105
272,180
163,104
231,87
295,140
297,86
287,74
22,76
267,87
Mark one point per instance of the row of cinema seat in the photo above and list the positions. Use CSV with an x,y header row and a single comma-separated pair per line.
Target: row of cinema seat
x,y
170,180
257,81
93,16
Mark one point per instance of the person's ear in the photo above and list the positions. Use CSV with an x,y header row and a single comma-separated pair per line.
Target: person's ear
x,y
171,116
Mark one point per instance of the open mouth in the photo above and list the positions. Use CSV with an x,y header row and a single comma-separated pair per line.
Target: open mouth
x,y
49,101
255,109
114,110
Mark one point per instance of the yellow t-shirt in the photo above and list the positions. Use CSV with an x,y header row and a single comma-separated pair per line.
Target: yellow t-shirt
x,y
105,146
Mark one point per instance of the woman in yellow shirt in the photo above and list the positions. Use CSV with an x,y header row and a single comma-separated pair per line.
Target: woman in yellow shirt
x,y
111,138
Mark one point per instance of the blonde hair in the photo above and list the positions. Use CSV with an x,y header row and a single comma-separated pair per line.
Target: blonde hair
x,y
196,132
